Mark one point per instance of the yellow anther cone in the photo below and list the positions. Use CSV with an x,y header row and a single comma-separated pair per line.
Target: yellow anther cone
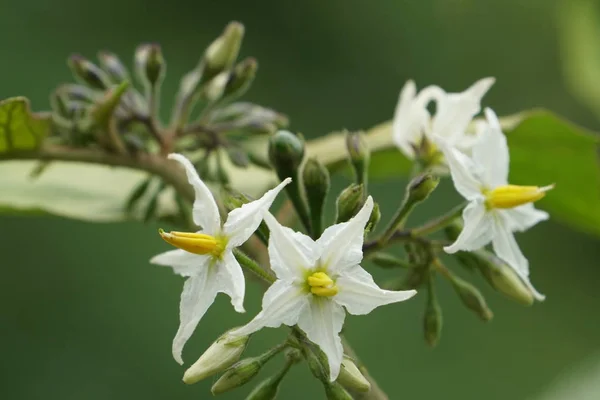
x,y
510,196
196,243
322,285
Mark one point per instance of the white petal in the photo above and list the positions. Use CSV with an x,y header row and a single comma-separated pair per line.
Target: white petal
x,y
506,247
182,262
199,292
205,210
341,244
282,303
454,111
490,152
231,280
524,217
462,171
361,295
290,253
322,325
477,230
243,221
409,121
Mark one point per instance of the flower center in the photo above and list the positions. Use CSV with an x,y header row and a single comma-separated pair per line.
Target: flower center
x,y
322,285
509,196
196,243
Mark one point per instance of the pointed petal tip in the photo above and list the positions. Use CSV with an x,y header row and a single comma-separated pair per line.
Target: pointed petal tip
x,y
450,249
287,181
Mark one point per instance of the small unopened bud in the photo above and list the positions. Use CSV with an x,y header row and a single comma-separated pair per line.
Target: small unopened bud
x,y
359,155
222,354
74,92
103,110
88,73
318,364
351,378
374,218
432,319
503,278
149,64
239,374
286,152
59,104
349,202
266,390
472,298
215,88
316,185
222,53
241,78
112,65
421,187
335,391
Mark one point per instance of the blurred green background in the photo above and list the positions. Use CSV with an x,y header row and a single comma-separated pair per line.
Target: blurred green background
x,y
85,316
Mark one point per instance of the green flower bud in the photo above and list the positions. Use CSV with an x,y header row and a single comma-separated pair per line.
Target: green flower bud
x,y
386,260
432,319
88,73
104,109
351,378
59,104
317,363
359,155
215,88
421,187
471,298
335,391
316,185
349,202
222,354
150,64
503,278
74,92
374,218
286,152
239,374
241,78
222,53
266,390
114,68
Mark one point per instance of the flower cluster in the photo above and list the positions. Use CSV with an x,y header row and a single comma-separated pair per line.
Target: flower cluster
x,y
479,166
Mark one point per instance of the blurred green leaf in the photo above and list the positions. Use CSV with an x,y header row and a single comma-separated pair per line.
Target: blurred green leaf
x,y
579,34
544,149
20,129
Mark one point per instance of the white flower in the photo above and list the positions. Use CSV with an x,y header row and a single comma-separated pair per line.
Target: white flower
x,y
205,258
496,209
316,279
454,112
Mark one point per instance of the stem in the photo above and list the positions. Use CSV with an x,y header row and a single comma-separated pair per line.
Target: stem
x,y
376,393
440,222
398,220
145,162
251,265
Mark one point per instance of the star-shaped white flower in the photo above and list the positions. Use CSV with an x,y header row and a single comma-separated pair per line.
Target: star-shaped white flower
x,y
205,258
454,112
496,209
316,280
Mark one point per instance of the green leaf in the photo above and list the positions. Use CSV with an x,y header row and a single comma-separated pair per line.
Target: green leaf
x,y
544,149
20,129
579,34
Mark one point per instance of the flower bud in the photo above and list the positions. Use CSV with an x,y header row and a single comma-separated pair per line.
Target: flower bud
x,y
241,78
374,218
349,202
335,391
114,68
317,363
104,109
266,390
149,64
222,354
351,378
222,53
316,185
88,73
215,88
503,278
240,373
74,92
286,152
421,187
359,155
386,260
471,298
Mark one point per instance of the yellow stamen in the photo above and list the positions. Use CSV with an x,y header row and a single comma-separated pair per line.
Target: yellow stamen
x,y
322,285
509,196
196,243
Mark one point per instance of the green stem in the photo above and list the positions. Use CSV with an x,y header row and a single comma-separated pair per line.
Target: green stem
x,y
296,195
440,222
398,221
251,265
